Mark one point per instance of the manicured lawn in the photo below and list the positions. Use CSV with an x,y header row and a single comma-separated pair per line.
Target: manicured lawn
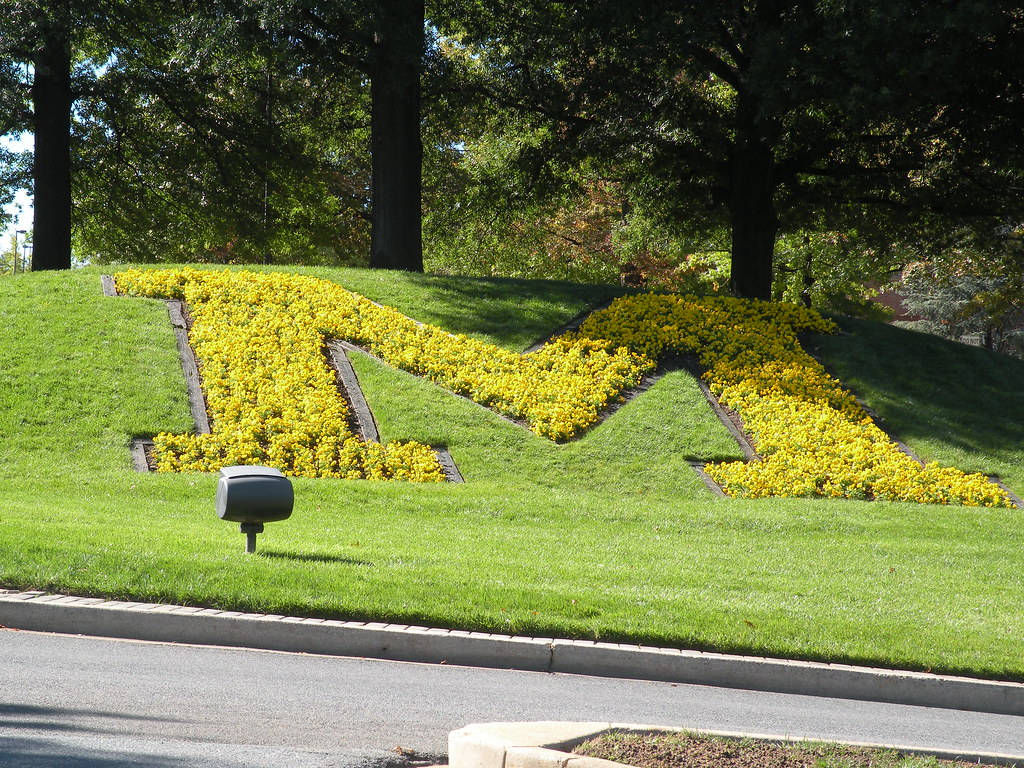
x,y
610,536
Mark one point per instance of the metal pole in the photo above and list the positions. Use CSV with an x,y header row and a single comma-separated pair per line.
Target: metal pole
x,y
16,258
250,530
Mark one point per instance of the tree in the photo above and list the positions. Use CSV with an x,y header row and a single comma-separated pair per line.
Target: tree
x,y
249,62
382,41
395,67
51,126
41,33
971,290
219,145
765,116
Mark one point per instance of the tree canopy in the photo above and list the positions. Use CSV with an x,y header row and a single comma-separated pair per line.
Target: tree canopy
x,y
812,142
765,117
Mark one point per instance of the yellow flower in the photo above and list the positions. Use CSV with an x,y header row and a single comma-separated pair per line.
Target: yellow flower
x,y
272,398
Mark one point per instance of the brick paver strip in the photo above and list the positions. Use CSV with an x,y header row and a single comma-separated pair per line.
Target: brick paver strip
x,y
140,461
715,488
196,401
349,385
1017,500
167,623
448,465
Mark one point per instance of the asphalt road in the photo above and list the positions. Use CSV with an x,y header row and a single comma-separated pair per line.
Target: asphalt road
x,y
79,701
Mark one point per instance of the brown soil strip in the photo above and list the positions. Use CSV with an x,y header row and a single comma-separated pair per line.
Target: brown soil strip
x,y
691,750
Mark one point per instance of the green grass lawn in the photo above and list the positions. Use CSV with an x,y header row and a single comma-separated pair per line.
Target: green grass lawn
x,y
611,536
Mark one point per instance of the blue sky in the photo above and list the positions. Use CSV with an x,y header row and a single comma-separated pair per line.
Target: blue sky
x,y
18,143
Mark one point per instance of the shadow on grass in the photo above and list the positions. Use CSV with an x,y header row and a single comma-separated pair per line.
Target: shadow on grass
x,y
313,557
928,387
518,311
534,309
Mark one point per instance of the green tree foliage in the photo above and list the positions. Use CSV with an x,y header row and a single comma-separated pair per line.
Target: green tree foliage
x,y
763,117
241,130
15,170
216,145
971,292
834,271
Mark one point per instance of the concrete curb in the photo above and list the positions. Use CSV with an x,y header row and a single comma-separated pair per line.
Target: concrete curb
x,y
39,611
549,745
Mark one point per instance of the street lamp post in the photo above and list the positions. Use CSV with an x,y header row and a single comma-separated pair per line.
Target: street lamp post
x,y
24,246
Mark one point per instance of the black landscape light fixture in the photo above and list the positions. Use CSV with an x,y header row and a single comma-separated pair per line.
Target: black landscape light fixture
x,y
252,496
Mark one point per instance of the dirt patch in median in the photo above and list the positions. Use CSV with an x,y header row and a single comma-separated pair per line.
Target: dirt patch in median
x,y
689,750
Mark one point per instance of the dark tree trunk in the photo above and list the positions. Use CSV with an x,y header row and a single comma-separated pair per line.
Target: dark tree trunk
x,y
751,211
51,170
395,144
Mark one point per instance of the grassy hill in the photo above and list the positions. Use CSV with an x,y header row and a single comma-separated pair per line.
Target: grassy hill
x,y
611,536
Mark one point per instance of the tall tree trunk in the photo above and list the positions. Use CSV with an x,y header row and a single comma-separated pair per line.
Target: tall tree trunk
x,y
395,144
751,210
51,170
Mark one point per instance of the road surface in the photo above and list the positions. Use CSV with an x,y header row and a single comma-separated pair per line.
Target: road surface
x,y
80,701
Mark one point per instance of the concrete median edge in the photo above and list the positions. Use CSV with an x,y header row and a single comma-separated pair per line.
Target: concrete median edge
x,y
40,611
549,745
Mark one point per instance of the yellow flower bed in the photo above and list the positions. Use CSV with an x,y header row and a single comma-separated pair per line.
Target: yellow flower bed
x,y
813,437
260,342
272,398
